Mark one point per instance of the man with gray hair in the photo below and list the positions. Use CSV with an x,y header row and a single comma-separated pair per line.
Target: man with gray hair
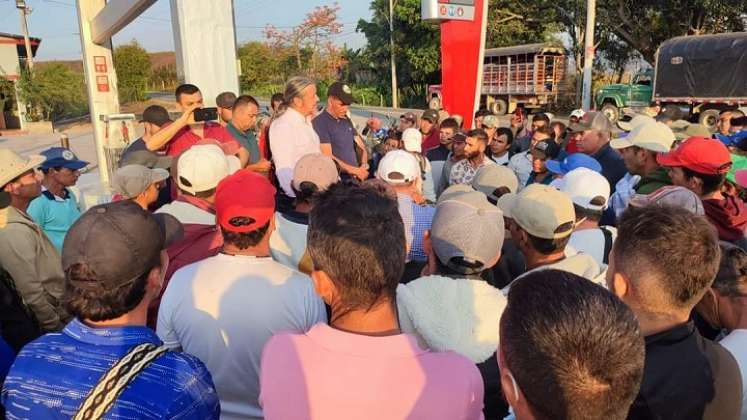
x,y
595,142
292,135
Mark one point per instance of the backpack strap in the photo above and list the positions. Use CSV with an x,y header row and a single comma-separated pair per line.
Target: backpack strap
x,y
607,244
115,380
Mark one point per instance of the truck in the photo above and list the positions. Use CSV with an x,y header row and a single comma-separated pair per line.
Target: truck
x,y
695,77
528,76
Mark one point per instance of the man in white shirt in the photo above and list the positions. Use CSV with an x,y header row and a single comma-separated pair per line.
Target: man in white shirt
x,y
590,192
521,163
224,309
291,135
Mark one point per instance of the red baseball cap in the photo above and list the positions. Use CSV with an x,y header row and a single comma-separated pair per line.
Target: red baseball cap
x,y
699,154
244,194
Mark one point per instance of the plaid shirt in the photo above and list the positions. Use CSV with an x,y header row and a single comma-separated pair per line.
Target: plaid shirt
x,y
417,219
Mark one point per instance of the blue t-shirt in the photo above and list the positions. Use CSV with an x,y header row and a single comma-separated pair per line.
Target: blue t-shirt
x,y
54,215
339,133
52,375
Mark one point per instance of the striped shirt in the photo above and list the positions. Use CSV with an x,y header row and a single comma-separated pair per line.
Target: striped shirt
x,y
52,376
417,219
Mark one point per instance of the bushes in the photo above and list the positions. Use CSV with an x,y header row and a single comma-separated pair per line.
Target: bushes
x,y
52,92
133,72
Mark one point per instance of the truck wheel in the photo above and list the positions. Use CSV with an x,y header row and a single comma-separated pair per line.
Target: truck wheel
x,y
709,118
499,107
435,103
611,112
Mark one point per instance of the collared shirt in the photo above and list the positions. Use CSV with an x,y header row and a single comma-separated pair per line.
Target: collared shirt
x,y
291,137
463,172
521,164
52,375
248,141
613,165
186,138
686,376
54,214
417,219
339,133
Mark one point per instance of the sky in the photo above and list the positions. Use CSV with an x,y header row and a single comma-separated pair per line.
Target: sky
x,y
56,23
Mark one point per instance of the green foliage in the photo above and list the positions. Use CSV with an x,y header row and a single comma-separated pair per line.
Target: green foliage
x,y
52,92
163,77
133,71
645,24
259,66
417,50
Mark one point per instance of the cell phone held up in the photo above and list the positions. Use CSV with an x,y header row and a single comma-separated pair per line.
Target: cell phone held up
x,y
206,114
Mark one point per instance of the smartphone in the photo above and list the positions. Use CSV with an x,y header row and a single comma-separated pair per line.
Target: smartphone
x,y
206,114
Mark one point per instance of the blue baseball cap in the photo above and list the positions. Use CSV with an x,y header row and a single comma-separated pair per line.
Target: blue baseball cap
x,y
60,157
571,162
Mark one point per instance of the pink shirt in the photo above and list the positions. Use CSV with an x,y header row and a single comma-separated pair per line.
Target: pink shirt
x,y
330,374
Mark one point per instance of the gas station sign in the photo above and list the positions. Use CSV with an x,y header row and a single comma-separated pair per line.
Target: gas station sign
x,y
463,24
448,9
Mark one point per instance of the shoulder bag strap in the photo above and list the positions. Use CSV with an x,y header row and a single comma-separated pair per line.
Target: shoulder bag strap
x,y
607,244
115,380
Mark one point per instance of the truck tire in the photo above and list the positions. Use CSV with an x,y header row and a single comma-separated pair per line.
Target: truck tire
x,y
709,118
499,107
435,103
610,110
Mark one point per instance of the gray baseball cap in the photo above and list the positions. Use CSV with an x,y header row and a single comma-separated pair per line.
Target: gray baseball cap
x,y
118,241
132,180
670,195
467,232
592,121
491,178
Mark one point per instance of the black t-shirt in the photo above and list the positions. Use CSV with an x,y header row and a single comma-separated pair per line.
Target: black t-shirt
x,y
439,153
687,377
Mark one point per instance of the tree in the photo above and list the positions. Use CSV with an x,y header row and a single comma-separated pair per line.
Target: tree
x,y
133,70
53,91
417,49
314,36
645,24
259,65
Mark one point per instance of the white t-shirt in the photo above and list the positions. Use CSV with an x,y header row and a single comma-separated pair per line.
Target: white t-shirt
x,y
224,309
590,242
288,241
736,343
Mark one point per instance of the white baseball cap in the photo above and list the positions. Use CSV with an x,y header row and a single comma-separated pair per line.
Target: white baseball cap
x,y
398,167
541,211
652,135
586,188
634,122
202,167
412,140
578,113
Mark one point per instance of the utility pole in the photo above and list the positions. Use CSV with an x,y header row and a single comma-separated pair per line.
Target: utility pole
x,y
395,100
25,10
591,9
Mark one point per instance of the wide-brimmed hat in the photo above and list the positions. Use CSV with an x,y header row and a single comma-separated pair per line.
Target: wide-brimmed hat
x,y
13,165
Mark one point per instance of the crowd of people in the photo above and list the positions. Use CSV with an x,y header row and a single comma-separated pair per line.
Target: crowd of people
x,y
289,266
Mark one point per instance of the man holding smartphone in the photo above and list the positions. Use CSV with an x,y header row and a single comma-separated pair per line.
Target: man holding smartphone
x,y
196,123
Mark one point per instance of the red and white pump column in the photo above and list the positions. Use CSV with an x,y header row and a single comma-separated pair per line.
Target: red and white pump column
x,y
463,27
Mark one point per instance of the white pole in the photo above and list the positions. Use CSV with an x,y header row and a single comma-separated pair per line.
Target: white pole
x,y
395,100
24,27
588,52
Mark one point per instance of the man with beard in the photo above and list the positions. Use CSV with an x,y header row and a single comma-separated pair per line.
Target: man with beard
x,y
475,147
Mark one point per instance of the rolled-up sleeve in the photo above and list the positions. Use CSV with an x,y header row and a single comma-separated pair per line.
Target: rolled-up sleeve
x,y
282,145
17,257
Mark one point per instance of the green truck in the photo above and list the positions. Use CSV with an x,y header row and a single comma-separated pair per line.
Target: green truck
x,y
696,77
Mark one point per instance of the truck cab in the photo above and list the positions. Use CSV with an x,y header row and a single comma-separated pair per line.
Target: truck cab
x,y
619,99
